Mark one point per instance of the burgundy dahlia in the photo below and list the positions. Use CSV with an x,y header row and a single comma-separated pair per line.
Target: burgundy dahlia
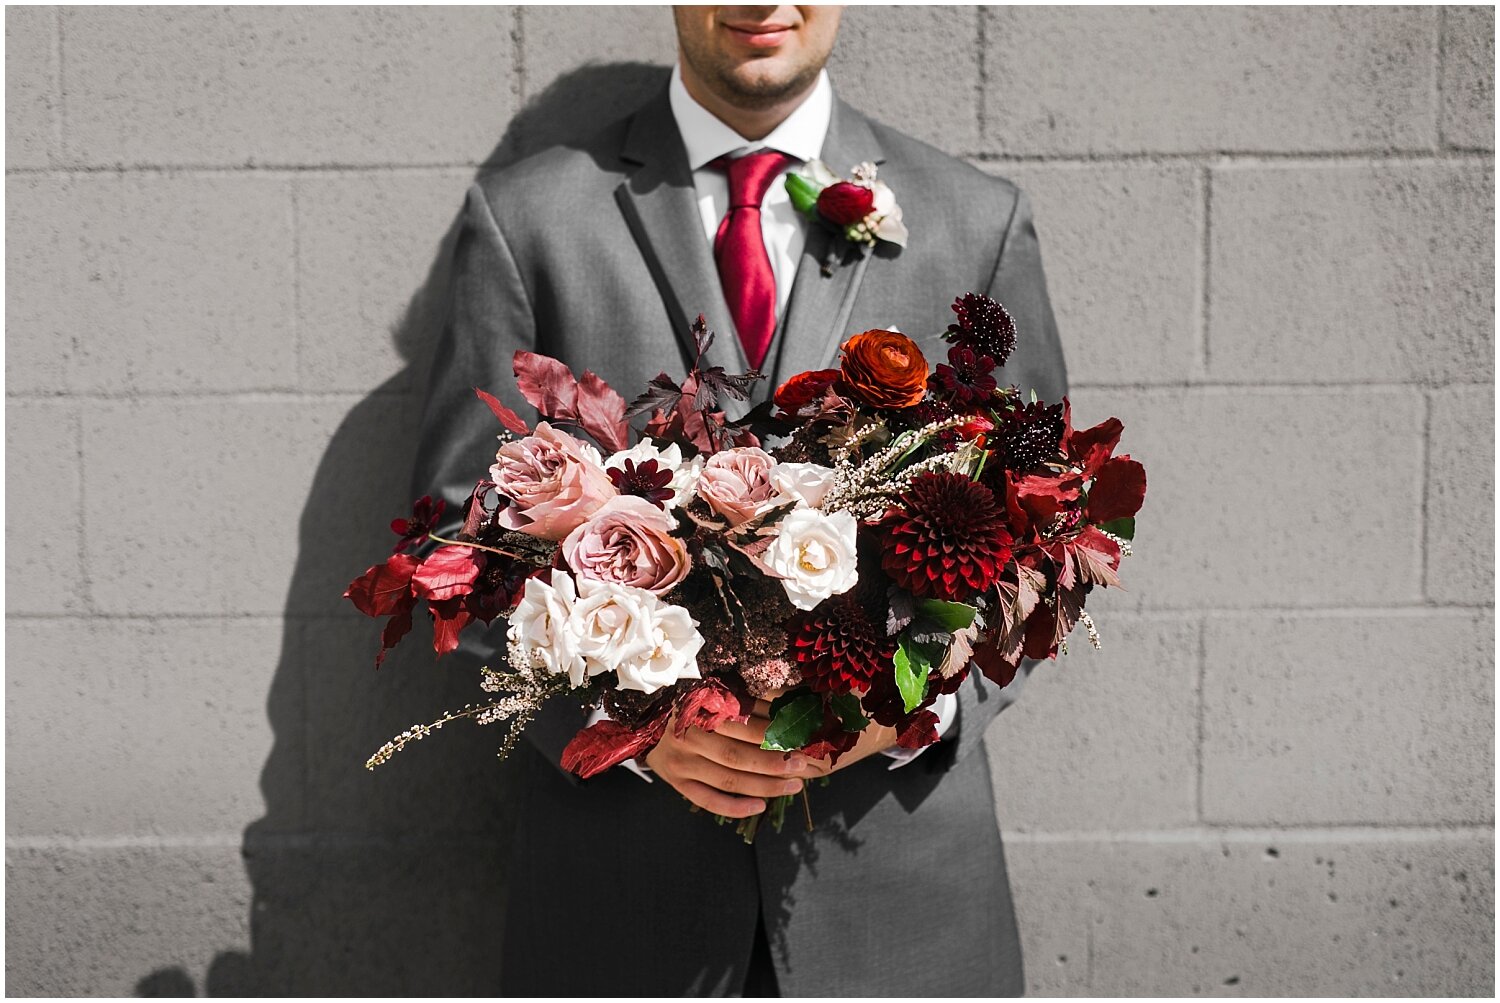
x,y
967,380
1027,436
837,647
983,326
948,540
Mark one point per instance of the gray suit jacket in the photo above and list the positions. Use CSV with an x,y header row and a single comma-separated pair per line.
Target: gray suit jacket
x,y
594,254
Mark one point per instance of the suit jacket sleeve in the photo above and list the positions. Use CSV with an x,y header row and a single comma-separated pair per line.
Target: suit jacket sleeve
x,y
1020,285
489,318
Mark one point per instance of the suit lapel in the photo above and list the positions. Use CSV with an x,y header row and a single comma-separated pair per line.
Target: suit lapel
x,y
660,208
813,325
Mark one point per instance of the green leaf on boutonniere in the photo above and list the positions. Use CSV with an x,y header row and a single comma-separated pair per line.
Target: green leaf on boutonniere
x,y
1124,528
914,661
846,706
795,717
804,194
945,616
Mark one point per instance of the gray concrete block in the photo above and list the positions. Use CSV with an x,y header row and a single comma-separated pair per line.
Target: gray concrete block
x,y
1340,273
149,282
1461,496
1183,79
558,40
32,93
234,507
1380,719
43,564
1267,498
1468,77
944,108
1104,739
95,923
133,727
1286,915
195,86
1121,246
372,252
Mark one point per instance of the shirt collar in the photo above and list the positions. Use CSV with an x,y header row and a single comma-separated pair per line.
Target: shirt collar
x,y
707,138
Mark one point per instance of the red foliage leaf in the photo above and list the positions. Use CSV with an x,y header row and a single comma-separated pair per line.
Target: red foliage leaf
x,y
998,665
711,704
447,572
601,413
830,745
1098,558
449,618
1092,446
396,628
609,743
548,385
381,590
918,731
508,418
1119,490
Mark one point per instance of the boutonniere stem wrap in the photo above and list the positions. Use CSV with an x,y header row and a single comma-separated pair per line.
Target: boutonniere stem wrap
x,y
861,209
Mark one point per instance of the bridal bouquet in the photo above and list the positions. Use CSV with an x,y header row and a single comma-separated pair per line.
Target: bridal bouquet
x,y
853,548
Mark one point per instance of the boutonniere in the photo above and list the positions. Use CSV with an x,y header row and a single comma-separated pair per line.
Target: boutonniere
x,y
862,210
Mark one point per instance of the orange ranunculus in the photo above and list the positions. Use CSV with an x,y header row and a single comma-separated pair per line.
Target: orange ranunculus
x,y
886,368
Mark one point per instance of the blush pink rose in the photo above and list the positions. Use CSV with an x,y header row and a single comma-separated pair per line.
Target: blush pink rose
x,y
553,482
737,483
629,542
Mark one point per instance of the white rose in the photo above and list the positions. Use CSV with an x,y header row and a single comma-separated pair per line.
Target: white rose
x,y
814,555
806,481
540,626
674,655
612,624
684,473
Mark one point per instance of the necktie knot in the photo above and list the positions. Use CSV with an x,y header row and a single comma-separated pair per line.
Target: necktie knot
x,y
750,176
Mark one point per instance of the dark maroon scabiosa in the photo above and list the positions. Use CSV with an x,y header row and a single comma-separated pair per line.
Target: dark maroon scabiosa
x,y
967,380
983,326
424,516
947,540
1027,435
644,479
838,647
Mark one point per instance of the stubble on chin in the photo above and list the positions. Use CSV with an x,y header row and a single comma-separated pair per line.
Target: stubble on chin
x,y
755,91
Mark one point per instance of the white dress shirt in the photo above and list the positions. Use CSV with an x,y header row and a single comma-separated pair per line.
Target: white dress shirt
x,y
801,137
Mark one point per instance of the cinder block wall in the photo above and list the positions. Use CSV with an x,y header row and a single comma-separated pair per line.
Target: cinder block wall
x,y
1269,238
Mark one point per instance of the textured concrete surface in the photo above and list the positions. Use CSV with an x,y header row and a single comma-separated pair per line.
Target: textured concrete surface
x,y
1269,239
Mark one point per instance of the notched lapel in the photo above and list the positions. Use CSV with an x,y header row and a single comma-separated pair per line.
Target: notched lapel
x,y
659,206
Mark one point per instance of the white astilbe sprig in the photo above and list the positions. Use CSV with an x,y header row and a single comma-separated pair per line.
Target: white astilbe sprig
x,y
868,488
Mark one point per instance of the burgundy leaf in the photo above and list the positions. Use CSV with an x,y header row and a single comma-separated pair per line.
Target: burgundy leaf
x,y
609,743
548,385
998,666
709,705
601,413
1092,446
447,572
1119,490
508,418
396,628
381,589
918,731
449,618
661,393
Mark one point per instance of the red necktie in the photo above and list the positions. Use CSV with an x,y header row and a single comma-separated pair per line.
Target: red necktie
x,y
740,250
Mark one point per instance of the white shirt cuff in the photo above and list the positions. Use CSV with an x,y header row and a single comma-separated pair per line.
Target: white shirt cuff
x,y
946,709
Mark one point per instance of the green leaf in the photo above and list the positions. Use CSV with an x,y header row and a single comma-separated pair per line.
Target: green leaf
x,y
803,192
851,716
945,616
1123,528
795,717
914,662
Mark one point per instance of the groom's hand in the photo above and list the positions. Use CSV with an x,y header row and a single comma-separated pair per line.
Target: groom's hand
x,y
726,771
875,738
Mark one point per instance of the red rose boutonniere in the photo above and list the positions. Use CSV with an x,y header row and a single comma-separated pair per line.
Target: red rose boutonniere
x,y
861,209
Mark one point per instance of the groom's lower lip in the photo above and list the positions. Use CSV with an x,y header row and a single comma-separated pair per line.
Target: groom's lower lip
x,y
759,38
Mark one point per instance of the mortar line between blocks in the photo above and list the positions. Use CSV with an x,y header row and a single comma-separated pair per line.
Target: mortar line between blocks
x,y
1439,57
85,575
518,53
982,14
60,114
1202,680
1205,266
1424,470
299,378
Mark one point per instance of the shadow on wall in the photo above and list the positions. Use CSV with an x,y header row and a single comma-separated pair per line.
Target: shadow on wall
x,y
392,882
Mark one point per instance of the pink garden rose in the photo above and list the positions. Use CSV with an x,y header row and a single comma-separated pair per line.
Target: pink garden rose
x,y
737,483
553,482
629,542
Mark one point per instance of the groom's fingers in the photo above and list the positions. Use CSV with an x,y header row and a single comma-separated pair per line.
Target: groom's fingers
x,y
738,782
717,801
742,755
752,731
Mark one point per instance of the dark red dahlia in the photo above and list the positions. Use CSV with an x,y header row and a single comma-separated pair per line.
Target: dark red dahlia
x,y
967,380
838,647
984,326
1027,436
644,479
947,540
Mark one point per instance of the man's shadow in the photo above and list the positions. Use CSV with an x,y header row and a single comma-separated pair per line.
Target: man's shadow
x,y
389,882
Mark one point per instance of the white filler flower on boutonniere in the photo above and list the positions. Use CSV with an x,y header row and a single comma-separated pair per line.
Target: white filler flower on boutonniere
x,y
862,209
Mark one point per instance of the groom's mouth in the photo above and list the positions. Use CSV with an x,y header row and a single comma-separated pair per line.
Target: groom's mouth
x,y
759,36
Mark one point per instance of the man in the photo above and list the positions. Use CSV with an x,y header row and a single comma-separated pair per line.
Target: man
x,y
601,256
